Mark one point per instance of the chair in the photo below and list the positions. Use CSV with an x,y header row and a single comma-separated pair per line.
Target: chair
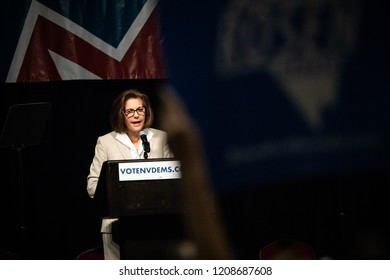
x,y
7,255
95,253
287,249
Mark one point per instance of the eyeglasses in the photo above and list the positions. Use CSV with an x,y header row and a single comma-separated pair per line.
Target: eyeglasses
x,y
130,112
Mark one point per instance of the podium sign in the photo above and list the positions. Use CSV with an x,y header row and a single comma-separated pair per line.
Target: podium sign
x,y
149,170
140,187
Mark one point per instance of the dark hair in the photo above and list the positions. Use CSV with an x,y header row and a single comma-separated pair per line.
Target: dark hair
x,y
117,117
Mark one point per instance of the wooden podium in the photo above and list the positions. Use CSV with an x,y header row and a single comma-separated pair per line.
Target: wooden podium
x,y
145,196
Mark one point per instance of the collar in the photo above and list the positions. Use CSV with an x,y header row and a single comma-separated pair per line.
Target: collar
x,y
125,140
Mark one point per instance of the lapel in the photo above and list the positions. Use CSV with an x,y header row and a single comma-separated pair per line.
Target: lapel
x,y
123,147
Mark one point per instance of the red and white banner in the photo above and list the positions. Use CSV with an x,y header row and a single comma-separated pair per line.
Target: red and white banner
x,y
55,47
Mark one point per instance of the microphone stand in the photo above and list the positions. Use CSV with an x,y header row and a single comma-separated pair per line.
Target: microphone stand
x,y
24,127
22,199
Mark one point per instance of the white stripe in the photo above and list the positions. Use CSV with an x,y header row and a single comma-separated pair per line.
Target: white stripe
x,y
69,70
24,39
136,27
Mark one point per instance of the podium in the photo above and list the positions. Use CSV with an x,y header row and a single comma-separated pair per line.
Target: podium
x,y
145,197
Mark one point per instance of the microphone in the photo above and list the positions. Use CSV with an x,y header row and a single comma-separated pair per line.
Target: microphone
x,y
145,143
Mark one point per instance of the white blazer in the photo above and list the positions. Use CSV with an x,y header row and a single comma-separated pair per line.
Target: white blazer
x,y
117,146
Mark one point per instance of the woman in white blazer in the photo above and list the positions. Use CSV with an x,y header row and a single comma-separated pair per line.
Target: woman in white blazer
x,y
130,114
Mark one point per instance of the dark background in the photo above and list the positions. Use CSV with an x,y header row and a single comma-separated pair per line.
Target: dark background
x,y
341,214
59,217
335,202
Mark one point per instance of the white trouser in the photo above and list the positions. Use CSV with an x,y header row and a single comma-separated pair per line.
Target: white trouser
x,y
111,248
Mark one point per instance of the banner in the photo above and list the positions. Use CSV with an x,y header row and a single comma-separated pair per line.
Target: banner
x,y
283,88
65,40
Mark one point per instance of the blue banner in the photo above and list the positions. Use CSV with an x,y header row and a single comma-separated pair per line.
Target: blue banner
x,y
283,89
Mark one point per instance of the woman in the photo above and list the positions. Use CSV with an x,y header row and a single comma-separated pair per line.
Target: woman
x,y
131,113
